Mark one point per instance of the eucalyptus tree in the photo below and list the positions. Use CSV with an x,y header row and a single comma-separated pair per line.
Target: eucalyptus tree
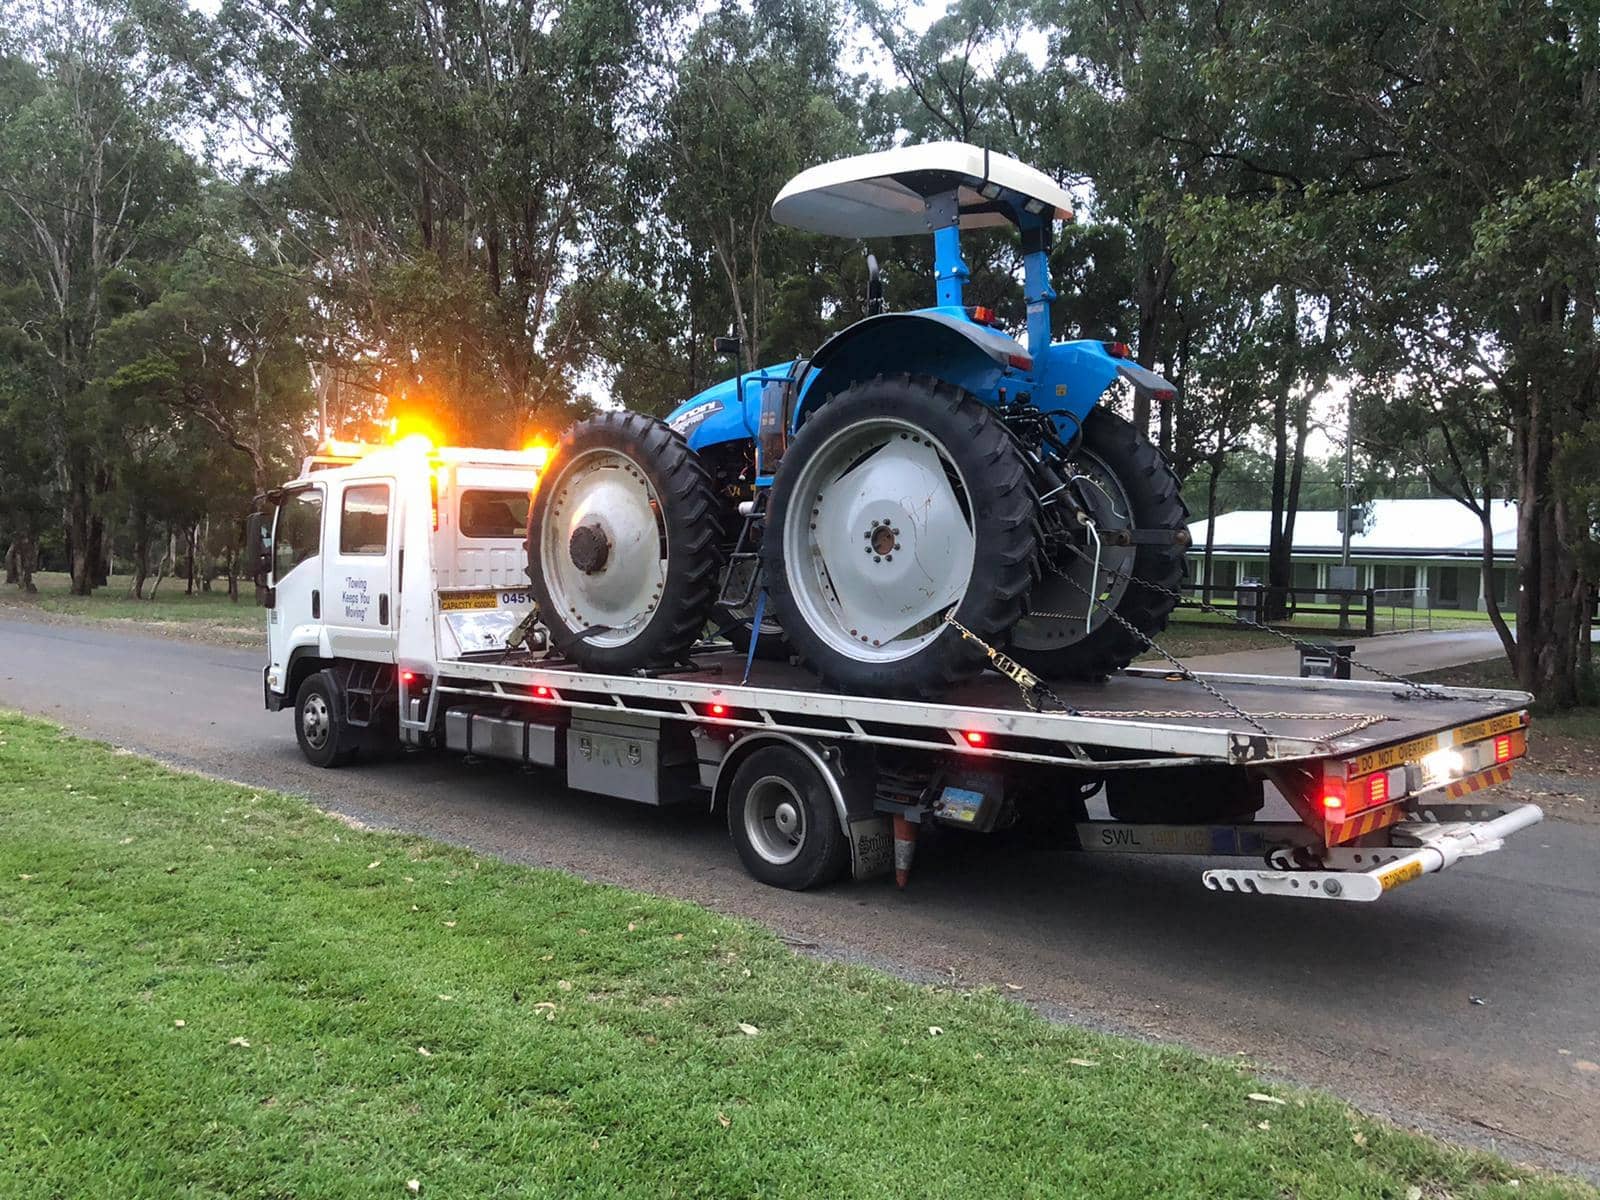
x,y
93,191
446,171
753,96
1451,200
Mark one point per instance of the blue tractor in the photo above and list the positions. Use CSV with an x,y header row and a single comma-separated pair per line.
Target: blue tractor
x,y
920,477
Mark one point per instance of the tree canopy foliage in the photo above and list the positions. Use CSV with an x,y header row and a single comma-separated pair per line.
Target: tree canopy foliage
x,y
228,232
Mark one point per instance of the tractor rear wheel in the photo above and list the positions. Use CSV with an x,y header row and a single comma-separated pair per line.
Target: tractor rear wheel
x,y
900,500
1129,485
624,544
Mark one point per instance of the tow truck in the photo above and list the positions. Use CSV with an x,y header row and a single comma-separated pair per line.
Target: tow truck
x,y
401,622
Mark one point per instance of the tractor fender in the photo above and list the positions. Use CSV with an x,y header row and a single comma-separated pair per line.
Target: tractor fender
x,y
943,343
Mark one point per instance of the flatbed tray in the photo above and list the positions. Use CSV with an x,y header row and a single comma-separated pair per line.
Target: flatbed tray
x,y
1141,711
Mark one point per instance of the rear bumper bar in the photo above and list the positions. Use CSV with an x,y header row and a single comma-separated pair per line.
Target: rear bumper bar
x,y
1419,847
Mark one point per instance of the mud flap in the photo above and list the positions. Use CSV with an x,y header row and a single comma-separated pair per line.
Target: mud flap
x,y
871,846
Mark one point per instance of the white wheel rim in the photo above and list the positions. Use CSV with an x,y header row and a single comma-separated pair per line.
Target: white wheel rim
x,y
1067,603
877,540
315,721
614,574
775,820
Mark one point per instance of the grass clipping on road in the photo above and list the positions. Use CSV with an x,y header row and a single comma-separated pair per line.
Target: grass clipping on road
x,y
211,990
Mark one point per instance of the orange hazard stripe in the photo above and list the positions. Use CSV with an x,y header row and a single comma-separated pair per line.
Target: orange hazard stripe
x,y
1363,823
1476,783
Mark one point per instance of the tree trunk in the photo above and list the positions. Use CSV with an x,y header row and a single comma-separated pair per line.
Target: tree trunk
x,y
13,570
27,563
1491,602
1549,603
1150,293
81,563
189,537
1211,522
141,555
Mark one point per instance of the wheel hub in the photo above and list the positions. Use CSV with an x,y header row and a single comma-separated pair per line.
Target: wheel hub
x,y
885,548
589,548
881,537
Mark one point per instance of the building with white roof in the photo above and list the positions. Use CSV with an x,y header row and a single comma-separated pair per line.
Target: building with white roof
x,y
1435,545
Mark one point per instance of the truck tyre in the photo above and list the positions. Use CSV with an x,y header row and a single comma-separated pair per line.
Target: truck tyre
x,y
624,544
319,725
783,822
1142,490
901,499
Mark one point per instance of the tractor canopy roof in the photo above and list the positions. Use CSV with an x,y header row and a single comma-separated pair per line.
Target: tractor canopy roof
x,y
886,194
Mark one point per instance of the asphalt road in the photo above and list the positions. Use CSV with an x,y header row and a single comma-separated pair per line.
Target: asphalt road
x,y
1374,1002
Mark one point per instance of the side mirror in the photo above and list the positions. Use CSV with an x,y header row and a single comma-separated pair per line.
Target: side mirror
x,y
874,287
258,554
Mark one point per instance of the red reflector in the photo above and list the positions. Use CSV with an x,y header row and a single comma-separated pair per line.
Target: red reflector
x,y
983,316
974,738
719,710
1378,789
542,691
1118,349
1502,748
1021,361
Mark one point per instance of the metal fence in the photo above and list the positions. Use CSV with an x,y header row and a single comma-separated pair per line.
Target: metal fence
x,y
1401,610
1365,611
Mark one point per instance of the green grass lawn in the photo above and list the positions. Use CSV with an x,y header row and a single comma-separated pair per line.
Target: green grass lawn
x,y
215,991
209,615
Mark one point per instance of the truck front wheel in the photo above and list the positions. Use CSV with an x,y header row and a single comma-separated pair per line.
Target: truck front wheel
x,y
319,725
783,822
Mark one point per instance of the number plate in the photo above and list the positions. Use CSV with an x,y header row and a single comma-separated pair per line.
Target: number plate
x,y
1395,876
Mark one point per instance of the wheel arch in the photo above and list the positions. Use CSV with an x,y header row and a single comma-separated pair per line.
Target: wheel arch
x,y
747,746
304,661
934,343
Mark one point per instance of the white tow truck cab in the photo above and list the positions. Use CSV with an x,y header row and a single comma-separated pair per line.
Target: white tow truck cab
x,y
400,620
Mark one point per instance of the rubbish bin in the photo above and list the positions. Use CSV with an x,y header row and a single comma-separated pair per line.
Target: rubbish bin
x,y
1327,660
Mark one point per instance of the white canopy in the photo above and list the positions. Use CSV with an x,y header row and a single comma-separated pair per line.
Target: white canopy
x,y
884,194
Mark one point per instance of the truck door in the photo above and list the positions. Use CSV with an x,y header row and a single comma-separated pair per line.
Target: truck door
x,y
358,570
296,577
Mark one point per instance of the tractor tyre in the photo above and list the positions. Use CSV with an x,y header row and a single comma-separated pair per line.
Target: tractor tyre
x,y
1139,490
901,500
736,625
624,544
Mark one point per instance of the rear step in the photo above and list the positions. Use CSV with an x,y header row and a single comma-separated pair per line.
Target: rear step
x,y
1425,846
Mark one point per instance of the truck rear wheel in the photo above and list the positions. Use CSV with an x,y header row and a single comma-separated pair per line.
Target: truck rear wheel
x,y
783,822
319,725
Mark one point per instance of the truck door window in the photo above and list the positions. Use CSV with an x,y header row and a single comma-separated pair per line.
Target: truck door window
x,y
486,514
364,520
299,531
